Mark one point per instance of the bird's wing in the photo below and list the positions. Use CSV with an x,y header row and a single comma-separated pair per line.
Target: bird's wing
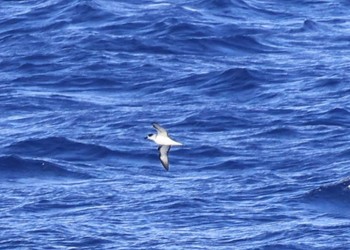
x,y
159,129
163,156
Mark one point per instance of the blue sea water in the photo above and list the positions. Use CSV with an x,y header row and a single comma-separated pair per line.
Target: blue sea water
x,y
258,92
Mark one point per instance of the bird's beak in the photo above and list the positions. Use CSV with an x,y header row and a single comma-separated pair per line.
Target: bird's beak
x,y
146,138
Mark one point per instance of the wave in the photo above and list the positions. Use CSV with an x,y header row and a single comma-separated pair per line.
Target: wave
x,y
236,79
178,37
310,25
206,150
222,4
338,112
332,83
17,167
211,120
232,81
223,45
332,198
332,117
159,33
335,191
285,132
234,7
61,148
239,83
228,165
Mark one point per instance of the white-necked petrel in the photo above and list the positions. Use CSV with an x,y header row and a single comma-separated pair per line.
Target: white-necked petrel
x,y
165,142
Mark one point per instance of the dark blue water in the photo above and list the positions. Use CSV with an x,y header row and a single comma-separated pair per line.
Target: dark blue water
x,y
258,92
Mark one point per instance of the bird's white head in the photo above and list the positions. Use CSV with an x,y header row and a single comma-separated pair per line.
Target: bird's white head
x,y
151,137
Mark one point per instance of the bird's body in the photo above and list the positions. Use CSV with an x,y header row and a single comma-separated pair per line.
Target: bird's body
x,y
165,142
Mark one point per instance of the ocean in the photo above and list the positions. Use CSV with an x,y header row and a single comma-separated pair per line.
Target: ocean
x,y
257,91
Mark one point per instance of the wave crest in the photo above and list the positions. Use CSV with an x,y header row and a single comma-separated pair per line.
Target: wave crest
x,y
62,148
17,167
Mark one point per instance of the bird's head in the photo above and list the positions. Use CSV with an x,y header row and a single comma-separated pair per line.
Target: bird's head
x,y
151,137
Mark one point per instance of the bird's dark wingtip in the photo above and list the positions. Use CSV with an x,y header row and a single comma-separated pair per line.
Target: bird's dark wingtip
x,y
166,166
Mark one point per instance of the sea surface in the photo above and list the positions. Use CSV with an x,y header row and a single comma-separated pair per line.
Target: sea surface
x,y
258,91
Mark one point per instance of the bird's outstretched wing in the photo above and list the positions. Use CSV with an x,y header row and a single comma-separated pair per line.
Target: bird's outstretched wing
x,y
160,129
163,156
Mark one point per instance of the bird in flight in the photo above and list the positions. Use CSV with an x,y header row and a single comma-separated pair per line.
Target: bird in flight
x,y
165,142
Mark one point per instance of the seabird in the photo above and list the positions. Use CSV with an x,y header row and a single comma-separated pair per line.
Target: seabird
x,y
165,142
